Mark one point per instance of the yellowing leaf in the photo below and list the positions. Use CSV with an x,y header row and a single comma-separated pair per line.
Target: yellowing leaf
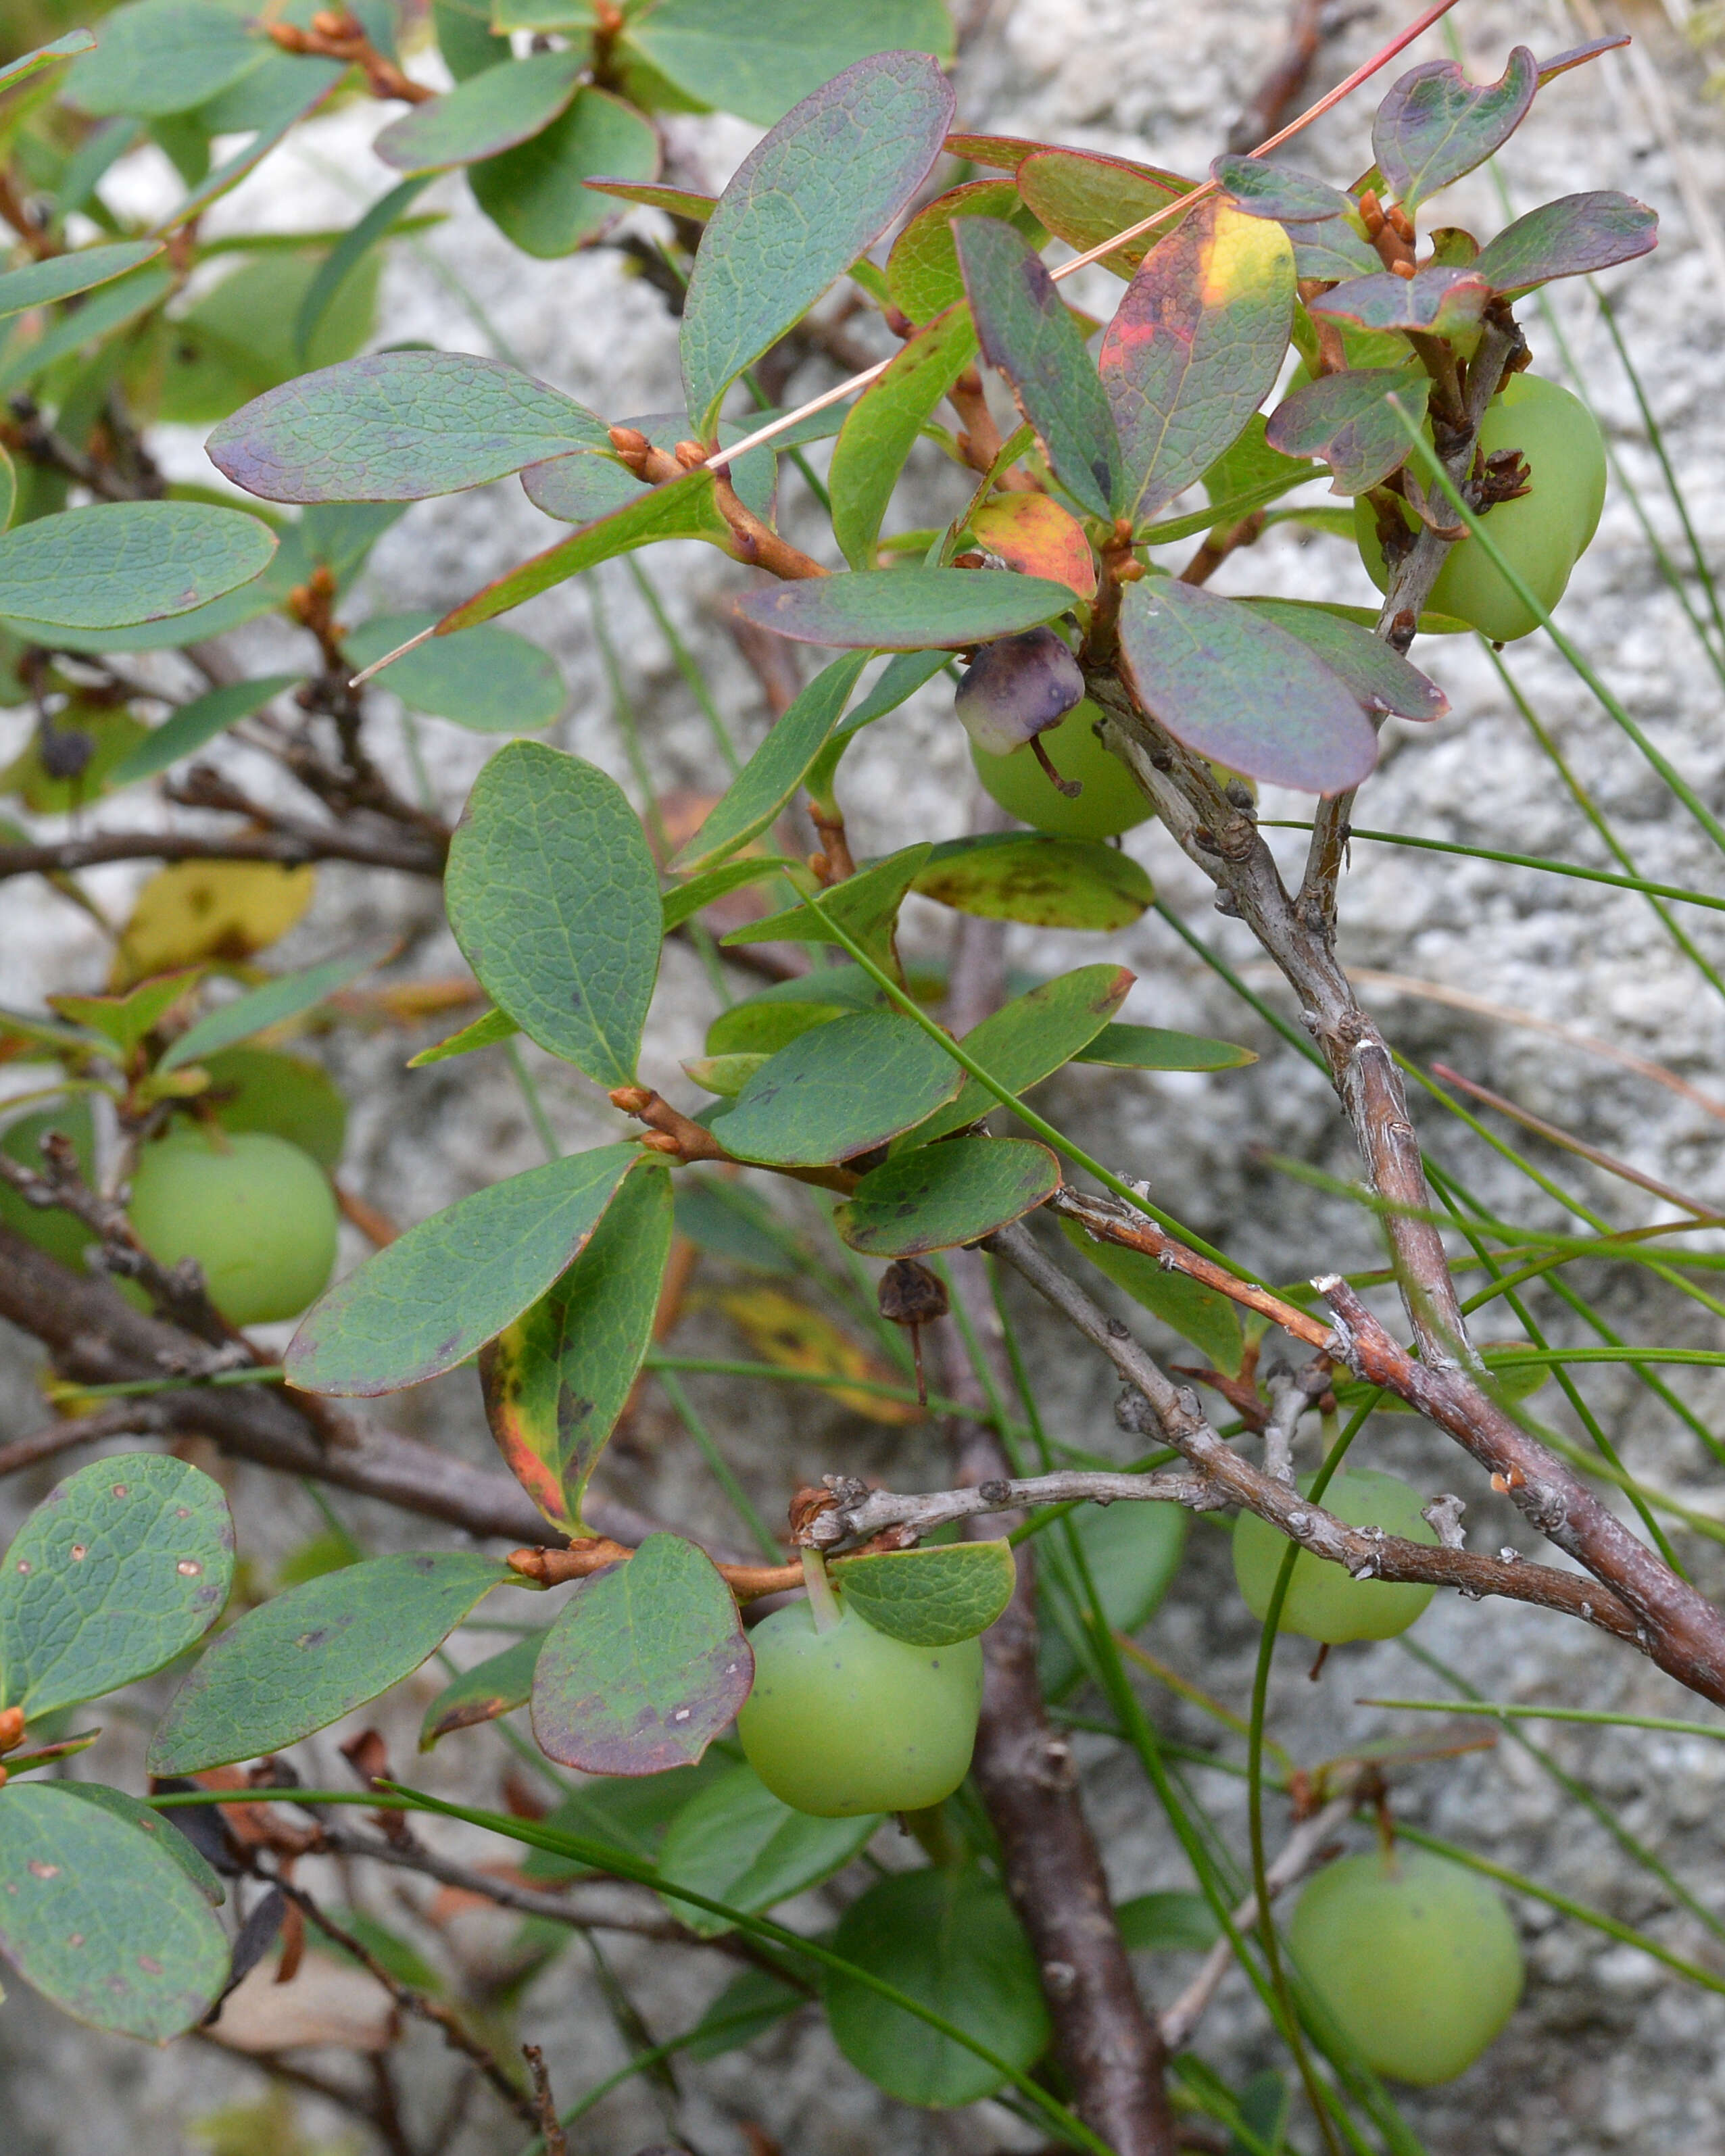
x,y
783,1331
196,909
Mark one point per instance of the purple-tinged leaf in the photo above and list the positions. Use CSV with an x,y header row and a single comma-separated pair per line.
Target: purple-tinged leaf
x,y
1026,333
1343,419
437,1293
1435,125
1234,687
1440,301
484,115
1568,237
1085,198
397,426
681,509
1263,189
556,1380
1333,250
645,1666
675,202
906,610
884,425
923,272
807,199
942,1195
1195,348
1578,56
1380,678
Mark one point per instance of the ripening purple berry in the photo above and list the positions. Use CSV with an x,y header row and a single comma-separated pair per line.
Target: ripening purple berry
x,y
1018,687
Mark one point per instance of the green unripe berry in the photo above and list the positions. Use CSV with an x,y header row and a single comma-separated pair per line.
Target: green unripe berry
x,y
1542,534
1112,801
1324,1601
256,1212
1415,1958
849,1720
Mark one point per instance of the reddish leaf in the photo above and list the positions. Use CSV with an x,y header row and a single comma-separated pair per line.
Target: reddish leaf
x,y
1232,686
1442,300
1381,679
1195,349
1033,535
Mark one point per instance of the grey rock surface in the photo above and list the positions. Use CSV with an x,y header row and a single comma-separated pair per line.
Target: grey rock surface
x,y
1611,2052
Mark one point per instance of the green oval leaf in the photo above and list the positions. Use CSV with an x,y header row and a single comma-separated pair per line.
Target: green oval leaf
x,y
303,1660
489,680
557,1378
950,1940
776,769
803,204
100,1918
1030,1038
284,998
161,56
40,283
906,610
553,897
1569,237
489,113
1152,1048
537,194
435,1295
1195,348
1436,124
736,1842
496,1686
120,1567
199,721
116,563
934,1597
883,426
397,426
1027,334
842,1090
1232,686
937,1196
1046,882
644,1667
756,58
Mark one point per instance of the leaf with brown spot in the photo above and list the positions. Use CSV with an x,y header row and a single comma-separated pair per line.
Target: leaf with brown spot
x,y
783,1331
645,1666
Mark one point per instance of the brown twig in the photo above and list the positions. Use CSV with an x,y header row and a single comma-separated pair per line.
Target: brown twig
x,y
553,1567
1106,2042
292,845
335,35
142,1417
550,2127
1262,112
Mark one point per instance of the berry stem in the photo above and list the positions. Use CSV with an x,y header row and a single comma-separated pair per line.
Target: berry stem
x,y
822,1600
